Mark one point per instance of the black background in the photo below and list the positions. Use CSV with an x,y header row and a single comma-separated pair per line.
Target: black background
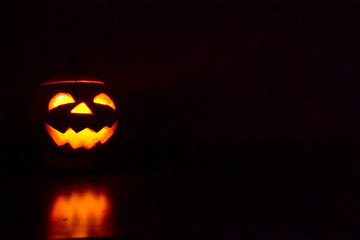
x,y
236,121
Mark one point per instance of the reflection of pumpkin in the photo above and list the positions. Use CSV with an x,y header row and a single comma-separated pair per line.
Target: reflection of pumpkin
x,y
76,111
80,214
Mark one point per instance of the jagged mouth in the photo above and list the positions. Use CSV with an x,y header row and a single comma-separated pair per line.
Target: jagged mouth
x,y
86,138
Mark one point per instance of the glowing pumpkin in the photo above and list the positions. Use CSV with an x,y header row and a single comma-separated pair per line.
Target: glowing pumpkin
x,y
76,111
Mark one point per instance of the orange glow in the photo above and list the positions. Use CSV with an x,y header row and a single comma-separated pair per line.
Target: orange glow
x,y
73,81
86,138
60,99
81,108
80,214
104,99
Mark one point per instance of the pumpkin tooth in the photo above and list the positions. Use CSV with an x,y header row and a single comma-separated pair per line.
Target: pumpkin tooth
x,y
86,138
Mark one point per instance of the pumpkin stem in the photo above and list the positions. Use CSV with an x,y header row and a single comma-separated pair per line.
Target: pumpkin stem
x,y
74,65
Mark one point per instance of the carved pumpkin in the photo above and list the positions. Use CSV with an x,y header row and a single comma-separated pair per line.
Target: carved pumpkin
x,y
76,111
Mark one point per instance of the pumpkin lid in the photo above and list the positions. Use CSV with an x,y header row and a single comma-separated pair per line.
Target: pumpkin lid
x,y
72,78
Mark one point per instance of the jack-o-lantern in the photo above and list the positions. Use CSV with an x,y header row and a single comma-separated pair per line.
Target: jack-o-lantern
x,y
76,112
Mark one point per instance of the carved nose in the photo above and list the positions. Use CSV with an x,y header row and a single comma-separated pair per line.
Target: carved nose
x,y
81,108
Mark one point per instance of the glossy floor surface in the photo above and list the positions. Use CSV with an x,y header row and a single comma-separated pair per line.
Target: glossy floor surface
x,y
259,190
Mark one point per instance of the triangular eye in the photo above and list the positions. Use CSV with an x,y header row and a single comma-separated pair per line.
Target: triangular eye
x,y
60,99
104,99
